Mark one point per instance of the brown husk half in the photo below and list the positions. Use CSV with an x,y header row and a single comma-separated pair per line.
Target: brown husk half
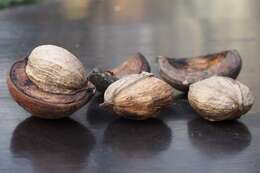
x,y
134,65
182,72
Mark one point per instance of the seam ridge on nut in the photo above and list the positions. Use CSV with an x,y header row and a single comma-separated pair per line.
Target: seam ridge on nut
x,y
117,91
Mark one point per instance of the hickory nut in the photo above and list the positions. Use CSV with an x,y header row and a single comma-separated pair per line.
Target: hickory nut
x,y
220,98
55,70
50,83
138,96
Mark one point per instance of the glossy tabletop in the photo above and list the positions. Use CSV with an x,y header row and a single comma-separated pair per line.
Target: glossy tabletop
x,y
104,33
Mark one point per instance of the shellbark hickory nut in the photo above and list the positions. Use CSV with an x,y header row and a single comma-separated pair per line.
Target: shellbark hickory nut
x,y
220,98
138,96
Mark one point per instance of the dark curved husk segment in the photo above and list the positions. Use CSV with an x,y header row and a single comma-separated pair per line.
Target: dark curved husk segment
x,y
134,65
182,72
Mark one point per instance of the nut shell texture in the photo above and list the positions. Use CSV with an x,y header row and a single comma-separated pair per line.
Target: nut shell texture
x,y
138,96
220,98
55,70
40,103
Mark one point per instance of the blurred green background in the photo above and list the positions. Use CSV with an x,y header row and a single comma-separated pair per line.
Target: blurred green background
x,y
8,3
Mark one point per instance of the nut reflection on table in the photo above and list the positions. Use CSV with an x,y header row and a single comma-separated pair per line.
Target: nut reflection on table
x,y
98,116
179,110
138,138
52,145
218,139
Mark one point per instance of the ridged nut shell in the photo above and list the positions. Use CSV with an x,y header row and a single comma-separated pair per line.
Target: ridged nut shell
x,y
220,98
138,96
55,70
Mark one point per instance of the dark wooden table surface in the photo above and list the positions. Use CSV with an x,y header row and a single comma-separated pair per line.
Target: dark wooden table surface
x,y
103,33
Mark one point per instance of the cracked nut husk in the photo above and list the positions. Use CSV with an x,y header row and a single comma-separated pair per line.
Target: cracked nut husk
x,y
182,72
135,64
138,96
220,98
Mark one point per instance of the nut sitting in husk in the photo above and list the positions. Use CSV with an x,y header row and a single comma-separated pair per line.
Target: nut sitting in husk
x,y
220,98
50,83
134,65
138,96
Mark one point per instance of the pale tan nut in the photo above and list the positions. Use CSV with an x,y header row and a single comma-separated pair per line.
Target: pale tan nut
x,y
220,98
138,96
55,70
